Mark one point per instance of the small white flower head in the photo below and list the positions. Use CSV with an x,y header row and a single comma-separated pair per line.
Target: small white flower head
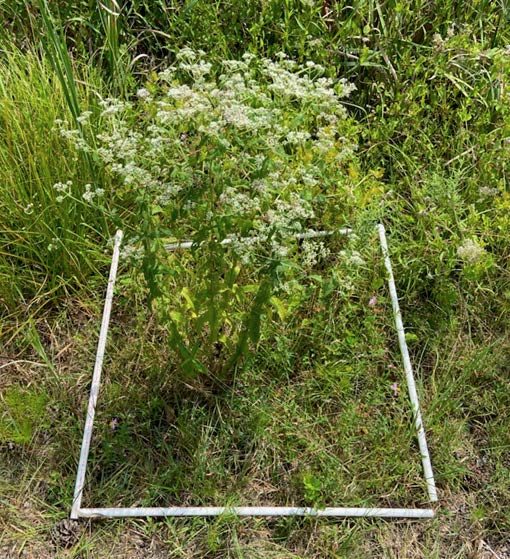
x,y
186,54
143,94
132,251
353,257
112,106
29,209
314,66
63,187
84,117
313,252
88,195
437,41
180,93
356,259
198,69
470,251
347,87
167,74
248,57
297,137
237,115
279,250
488,191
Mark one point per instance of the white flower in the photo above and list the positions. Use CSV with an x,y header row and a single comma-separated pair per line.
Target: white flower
x,y
132,251
88,196
437,41
237,115
84,117
180,92
356,259
488,191
198,70
353,257
248,57
470,251
167,74
313,66
313,252
112,106
347,87
64,187
238,126
143,94
186,54
297,136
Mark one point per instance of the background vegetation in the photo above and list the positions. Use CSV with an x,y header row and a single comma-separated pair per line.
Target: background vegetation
x,y
313,413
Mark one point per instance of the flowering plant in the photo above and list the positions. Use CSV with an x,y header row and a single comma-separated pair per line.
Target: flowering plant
x,y
255,153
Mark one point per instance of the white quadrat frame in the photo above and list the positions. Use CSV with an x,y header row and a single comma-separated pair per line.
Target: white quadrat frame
x,y
119,512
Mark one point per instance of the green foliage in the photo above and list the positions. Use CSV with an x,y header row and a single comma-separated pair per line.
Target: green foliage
x,y
22,414
311,415
115,52
49,233
56,50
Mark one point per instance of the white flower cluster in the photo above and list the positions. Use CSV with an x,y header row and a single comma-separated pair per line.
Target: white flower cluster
x,y
143,94
253,145
353,258
90,194
313,252
84,117
470,251
297,136
112,106
63,189
488,191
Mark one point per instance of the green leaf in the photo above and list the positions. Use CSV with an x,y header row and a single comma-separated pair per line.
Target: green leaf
x,y
186,293
411,338
176,317
280,307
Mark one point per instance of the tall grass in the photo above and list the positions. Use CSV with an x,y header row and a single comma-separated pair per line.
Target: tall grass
x,y
56,50
45,244
113,49
366,35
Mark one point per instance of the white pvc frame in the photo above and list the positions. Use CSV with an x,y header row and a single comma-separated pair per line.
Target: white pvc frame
x,y
119,512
